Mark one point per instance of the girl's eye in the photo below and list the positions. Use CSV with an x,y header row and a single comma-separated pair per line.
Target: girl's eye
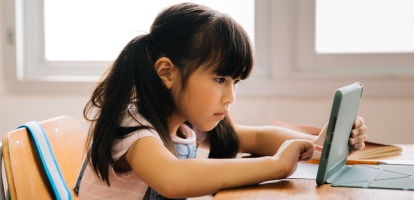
x,y
220,80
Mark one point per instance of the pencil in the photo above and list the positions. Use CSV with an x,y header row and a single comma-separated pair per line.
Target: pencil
x,y
353,162
348,162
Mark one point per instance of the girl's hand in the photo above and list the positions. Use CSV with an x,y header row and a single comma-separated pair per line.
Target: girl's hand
x,y
292,151
357,137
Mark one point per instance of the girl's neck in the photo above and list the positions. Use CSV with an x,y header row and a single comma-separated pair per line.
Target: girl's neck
x,y
174,124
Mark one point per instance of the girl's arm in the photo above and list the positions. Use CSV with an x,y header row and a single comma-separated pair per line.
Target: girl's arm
x,y
266,140
175,178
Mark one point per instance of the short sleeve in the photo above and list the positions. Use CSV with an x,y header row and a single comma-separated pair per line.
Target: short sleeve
x,y
122,145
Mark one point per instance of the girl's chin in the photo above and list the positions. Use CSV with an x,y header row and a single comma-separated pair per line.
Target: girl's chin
x,y
206,128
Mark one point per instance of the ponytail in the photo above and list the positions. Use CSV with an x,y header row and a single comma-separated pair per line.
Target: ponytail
x,y
131,75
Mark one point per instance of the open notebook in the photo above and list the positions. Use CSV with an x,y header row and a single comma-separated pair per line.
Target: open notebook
x,y
332,166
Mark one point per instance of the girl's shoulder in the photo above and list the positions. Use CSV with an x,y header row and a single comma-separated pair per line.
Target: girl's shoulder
x,y
120,146
132,118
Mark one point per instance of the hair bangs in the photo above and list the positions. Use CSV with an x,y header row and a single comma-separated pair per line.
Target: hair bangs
x,y
233,54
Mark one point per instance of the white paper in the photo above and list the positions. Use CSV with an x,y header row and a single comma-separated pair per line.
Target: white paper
x,y
305,171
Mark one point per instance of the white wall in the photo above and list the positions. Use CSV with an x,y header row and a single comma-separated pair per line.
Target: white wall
x,y
390,119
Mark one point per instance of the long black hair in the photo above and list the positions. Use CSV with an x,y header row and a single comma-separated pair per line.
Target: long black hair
x,y
191,36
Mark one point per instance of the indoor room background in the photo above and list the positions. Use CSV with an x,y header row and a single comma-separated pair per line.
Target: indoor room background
x,y
289,85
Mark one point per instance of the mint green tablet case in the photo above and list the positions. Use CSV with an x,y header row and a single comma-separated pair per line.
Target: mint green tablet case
x,y
332,168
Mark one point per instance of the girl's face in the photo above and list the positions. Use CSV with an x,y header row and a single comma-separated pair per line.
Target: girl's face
x,y
206,99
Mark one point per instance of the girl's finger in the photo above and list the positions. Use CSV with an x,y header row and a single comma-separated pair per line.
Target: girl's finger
x,y
359,121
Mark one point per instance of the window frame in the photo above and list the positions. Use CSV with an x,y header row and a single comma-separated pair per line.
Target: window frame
x,y
286,64
297,70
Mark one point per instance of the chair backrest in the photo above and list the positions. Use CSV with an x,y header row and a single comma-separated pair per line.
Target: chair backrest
x,y
26,178
2,188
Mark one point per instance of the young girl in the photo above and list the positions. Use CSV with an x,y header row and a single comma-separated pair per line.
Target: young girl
x,y
165,86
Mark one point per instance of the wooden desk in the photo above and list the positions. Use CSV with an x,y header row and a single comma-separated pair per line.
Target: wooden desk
x,y
307,189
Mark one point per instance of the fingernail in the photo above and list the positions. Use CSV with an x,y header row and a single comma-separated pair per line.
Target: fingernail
x,y
318,148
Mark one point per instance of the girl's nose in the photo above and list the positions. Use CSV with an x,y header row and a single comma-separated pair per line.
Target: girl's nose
x,y
229,95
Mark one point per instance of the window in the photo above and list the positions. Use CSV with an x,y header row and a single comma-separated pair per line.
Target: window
x,y
364,26
298,69
55,42
291,55
98,33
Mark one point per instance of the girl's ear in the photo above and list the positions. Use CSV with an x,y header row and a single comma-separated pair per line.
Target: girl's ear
x,y
166,71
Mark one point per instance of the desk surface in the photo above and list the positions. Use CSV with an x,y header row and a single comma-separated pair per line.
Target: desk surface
x,y
307,189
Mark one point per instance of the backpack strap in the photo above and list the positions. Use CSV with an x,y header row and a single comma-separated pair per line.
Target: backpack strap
x,y
56,181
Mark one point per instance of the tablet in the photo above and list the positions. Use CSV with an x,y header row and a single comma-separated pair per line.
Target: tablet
x,y
336,145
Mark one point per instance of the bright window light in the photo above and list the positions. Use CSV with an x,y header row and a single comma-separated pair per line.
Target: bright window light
x,y
364,26
96,30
